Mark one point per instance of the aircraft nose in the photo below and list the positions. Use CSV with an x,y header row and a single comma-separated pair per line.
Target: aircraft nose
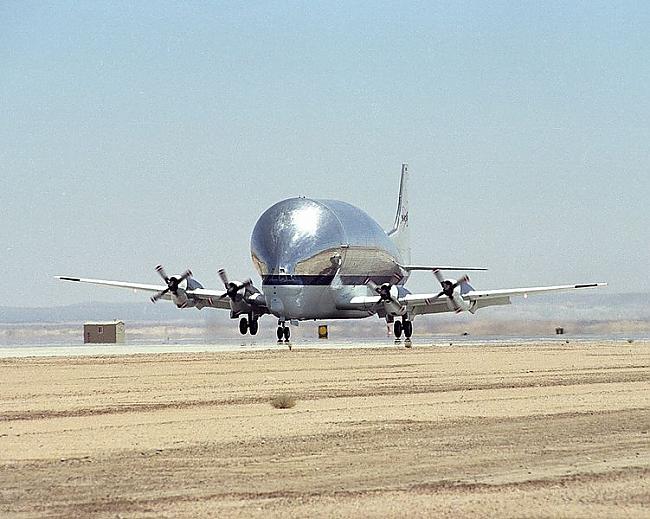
x,y
290,234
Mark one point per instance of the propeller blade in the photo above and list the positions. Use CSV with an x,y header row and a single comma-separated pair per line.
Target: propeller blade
x,y
463,279
158,295
372,285
224,277
161,270
438,276
185,275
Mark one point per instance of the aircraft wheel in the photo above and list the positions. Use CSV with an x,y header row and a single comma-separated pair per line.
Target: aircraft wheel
x,y
397,329
280,333
287,333
253,326
243,326
408,329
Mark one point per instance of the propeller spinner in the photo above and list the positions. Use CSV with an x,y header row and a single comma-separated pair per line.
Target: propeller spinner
x,y
171,282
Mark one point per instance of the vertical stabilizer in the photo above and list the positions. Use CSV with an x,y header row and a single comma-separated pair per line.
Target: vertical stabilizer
x,y
400,232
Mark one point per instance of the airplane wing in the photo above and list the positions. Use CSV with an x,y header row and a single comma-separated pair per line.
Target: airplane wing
x,y
475,295
213,298
418,304
429,303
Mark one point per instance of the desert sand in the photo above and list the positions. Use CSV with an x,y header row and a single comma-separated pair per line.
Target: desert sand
x,y
531,430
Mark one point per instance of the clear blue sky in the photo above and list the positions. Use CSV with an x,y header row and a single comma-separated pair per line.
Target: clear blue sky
x,y
134,134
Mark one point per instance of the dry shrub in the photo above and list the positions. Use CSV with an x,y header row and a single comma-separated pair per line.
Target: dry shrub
x,y
284,401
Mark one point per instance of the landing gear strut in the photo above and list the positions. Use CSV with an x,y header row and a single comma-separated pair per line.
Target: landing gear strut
x,y
248,325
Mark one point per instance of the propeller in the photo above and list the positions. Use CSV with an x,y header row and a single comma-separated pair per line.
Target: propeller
x,y
385,296
171,282
448,288
232,288
383,290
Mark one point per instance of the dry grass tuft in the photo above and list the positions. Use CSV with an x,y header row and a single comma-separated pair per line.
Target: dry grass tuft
x,y
284,401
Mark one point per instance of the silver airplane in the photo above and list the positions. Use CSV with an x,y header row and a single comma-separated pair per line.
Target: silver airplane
x,y
326,259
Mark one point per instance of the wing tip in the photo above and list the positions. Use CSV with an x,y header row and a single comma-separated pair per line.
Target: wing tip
x,y
66,278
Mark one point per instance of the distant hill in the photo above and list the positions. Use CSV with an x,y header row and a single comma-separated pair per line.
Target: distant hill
x,y
591,306
139,312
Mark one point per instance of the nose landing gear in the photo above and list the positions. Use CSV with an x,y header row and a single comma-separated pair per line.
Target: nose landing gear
x,y
283,332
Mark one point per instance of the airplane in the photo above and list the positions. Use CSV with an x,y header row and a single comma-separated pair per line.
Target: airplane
x,y
327,259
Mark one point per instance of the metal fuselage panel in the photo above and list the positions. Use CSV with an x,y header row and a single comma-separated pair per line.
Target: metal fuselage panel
x,y
312,254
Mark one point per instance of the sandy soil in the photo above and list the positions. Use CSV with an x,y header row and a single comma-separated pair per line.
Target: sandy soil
x,y
535,430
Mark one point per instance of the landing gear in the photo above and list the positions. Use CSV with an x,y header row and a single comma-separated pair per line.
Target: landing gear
x,y
406,327
243,326
253,326
248,325
283,332
397,329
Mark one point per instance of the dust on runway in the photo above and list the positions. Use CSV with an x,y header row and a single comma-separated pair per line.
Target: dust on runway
x,y
547,429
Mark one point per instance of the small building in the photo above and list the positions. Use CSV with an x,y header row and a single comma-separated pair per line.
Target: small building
x,y
322,332
107,332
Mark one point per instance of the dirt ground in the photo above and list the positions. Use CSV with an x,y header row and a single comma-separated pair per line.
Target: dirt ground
x,y
534,430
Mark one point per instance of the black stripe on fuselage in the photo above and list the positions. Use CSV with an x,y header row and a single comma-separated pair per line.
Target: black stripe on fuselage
x,y
324,280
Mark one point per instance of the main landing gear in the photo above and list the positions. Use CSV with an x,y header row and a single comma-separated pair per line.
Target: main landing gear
x,y
248,325
283,332
404,326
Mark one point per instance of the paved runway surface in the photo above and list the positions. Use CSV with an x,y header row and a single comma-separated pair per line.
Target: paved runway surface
x,y
547,429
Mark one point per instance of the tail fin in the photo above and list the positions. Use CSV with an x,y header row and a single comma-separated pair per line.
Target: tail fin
x,y
400,232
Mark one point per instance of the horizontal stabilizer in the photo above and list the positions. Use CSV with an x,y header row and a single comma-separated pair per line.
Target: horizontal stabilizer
x,y
437,267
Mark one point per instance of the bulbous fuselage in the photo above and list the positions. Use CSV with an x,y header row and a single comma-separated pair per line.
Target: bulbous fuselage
x,y
311,254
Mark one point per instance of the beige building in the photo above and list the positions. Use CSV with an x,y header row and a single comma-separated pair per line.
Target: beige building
x,y
108,332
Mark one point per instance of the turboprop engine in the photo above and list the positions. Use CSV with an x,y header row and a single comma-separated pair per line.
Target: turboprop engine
x,y
453,290
176,286
388,295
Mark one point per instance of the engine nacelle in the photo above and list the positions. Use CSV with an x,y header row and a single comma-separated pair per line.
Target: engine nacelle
x,y
391,308
455,300
181,300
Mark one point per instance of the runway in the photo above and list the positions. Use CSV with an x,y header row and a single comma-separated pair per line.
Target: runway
x,y
247,344
488,429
